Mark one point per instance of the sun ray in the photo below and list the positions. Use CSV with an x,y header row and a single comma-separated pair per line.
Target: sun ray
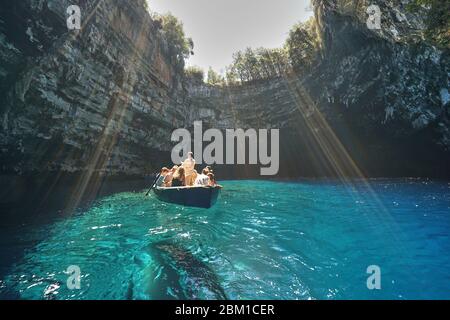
x,y
336,155
89,182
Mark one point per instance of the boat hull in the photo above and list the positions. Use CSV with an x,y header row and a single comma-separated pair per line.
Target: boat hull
x,y
200,197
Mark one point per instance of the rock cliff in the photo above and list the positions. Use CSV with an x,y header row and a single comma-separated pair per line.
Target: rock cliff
x,y
96,101
106,96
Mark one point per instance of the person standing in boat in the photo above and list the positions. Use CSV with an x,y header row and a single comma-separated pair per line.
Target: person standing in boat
x,y
189,165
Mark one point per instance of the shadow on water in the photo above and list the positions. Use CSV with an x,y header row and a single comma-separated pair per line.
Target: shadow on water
x,y
175,273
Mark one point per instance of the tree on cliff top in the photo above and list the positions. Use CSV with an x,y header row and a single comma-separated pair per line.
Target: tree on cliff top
x,y
299,53
214,78
195,75
179,46
302,45
257,64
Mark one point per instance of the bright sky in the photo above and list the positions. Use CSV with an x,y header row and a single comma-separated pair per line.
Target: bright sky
x,y
221,27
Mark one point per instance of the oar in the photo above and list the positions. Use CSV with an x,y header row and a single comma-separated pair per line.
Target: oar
x,y
153,184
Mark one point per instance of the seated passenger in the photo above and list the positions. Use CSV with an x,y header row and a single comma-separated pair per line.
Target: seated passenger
x,y
162,176
212,180
210,170
169,176
194,176
202,179
179,179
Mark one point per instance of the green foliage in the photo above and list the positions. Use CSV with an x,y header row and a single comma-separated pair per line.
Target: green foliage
x,y
256,64
231,75
299,53
437,21
179,46
214,78
195,75
302,46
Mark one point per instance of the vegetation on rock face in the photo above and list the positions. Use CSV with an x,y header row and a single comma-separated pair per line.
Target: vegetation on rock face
x,y
194,75
178,45
257,64
437,21
214,78
302,45
298,54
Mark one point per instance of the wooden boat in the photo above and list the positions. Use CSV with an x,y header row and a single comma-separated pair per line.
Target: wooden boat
x,y
200,197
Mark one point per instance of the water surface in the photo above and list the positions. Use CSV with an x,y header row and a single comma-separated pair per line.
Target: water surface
x,y
263,240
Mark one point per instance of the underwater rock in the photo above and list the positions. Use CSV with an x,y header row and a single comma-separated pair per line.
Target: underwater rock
x,y
173,272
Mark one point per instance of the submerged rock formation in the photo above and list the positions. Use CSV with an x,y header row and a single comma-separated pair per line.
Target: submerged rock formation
x,y
104,100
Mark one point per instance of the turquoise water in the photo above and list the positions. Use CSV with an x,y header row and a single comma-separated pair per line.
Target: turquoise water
x,y
263,240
